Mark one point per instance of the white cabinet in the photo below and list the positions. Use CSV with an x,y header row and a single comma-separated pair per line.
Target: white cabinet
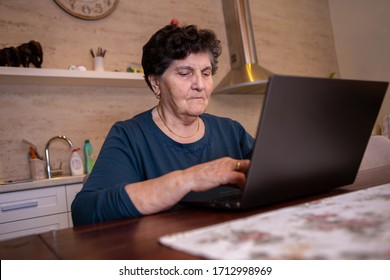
x,y
71,191
36,210
33,226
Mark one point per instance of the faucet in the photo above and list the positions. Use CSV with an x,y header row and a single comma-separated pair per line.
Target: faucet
x,y
48,168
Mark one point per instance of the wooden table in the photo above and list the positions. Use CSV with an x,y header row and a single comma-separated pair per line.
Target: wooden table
x,y
138,238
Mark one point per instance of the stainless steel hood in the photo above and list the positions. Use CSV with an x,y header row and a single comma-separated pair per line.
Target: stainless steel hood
x,y
245,76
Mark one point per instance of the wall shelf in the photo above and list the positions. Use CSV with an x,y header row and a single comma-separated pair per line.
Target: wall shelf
x,y
39,76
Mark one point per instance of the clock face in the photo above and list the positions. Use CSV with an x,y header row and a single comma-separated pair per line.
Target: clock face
x,y
88,9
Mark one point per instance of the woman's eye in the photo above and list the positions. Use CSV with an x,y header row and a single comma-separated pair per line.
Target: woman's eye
x,y
206,73
184,74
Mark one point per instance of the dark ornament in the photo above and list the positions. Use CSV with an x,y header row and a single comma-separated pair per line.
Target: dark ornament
x,y
24,54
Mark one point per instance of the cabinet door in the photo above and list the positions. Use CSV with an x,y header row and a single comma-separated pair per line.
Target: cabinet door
x,y
71,191
28,204
33,226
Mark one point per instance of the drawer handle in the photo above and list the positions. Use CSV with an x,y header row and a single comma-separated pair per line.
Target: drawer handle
x,y
28,204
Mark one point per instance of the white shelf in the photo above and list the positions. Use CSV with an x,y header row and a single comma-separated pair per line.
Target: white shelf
x,y
37,76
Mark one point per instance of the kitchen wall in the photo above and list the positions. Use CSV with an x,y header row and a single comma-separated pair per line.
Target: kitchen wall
x,y
362,40
292,37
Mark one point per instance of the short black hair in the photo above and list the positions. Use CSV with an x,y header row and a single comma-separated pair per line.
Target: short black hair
x,y
173,42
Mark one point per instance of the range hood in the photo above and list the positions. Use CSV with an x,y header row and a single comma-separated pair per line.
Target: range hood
x,y
245,76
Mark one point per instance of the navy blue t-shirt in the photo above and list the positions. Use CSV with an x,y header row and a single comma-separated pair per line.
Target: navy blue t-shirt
x,y
137,150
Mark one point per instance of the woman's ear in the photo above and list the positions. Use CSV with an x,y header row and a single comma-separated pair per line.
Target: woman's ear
x,y
155,84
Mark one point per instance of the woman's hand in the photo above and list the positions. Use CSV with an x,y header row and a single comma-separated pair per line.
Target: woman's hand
x,y
161,193
223,171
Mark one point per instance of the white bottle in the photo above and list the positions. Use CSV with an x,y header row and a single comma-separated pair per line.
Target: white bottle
x,y
76,163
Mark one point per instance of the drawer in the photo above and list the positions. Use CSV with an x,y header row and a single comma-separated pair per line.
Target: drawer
x,y
33,226
22,205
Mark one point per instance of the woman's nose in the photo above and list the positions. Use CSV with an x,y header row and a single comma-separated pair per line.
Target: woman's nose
x,y
197,82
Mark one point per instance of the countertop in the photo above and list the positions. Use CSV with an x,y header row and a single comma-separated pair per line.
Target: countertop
x,y
44,183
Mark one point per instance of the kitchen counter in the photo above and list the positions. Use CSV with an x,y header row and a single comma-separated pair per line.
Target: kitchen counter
x,y
35,184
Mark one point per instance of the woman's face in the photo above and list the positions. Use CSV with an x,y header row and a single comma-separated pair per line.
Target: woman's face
x,y
186,85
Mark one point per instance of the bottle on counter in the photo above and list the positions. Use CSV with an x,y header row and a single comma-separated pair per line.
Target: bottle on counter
x,y
76,163
89,159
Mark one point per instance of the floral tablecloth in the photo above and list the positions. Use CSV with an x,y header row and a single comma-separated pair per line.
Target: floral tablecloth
x,y
349,226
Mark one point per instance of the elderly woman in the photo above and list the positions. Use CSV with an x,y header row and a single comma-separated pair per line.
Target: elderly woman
x,y
148,163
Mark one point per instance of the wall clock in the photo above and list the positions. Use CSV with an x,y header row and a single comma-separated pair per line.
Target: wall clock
x,y
88,9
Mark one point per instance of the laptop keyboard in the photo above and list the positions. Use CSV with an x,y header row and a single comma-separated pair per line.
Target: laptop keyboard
x,y
228,199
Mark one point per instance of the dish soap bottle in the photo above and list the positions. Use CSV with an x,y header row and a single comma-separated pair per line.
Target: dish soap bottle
x,y
76,163
88,153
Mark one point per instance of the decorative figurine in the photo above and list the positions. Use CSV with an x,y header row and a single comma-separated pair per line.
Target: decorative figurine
x,y
24,54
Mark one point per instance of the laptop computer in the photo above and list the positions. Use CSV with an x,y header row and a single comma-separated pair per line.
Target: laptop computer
x,y
311,138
